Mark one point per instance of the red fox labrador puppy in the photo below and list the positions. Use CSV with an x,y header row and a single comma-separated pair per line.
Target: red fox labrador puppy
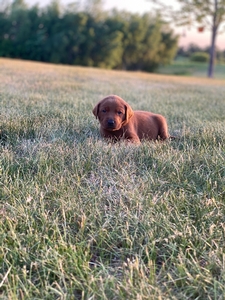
x,y
119,121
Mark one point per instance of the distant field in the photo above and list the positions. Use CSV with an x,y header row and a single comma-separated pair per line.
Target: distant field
x,y
184,67
84,219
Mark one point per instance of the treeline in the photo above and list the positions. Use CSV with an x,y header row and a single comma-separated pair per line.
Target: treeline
x,y
115,40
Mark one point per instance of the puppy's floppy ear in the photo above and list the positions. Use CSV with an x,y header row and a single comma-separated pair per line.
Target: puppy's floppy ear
x,y
128,113
96,110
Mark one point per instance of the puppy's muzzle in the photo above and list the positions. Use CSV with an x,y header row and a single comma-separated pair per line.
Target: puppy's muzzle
x,y
111,124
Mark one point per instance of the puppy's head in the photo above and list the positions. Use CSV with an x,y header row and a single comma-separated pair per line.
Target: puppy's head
x,y
113,112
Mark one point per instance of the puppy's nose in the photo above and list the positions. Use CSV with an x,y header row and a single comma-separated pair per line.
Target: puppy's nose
x,y
111,123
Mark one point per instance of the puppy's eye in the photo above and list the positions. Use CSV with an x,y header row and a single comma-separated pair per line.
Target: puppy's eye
x,y
119,112
104,111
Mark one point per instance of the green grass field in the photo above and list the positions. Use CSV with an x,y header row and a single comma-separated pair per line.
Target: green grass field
x,y
84,219
185,67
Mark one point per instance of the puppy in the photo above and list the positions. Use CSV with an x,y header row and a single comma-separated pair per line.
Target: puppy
x,y
119,121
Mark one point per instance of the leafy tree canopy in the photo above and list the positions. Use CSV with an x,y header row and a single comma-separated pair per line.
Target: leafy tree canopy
x,y
85,36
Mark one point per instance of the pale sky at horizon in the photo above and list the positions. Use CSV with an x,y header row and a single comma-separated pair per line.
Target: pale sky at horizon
x,y
187,36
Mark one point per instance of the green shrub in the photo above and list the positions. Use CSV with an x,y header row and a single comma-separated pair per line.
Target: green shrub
x,y
200,57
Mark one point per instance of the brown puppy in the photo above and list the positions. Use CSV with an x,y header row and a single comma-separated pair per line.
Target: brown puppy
x,y
118,120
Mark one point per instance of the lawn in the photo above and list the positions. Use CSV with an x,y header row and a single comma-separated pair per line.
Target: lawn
x,y
185,67
84,219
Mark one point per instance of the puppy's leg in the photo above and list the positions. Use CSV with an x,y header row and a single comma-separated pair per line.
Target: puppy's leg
x,y
133,139
163,128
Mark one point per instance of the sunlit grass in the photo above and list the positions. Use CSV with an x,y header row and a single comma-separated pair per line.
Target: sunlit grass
x,y
84,219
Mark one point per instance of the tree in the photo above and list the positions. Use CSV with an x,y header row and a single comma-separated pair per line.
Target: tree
x,y
146,43
95,38
206,13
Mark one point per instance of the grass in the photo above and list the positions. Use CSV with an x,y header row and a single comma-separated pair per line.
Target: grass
x,y
185,67
84,219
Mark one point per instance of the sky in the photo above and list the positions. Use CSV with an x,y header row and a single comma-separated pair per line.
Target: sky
x,y
187,36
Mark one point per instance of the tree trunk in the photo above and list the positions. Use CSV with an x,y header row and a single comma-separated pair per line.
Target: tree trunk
x,y
212,54
213,41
